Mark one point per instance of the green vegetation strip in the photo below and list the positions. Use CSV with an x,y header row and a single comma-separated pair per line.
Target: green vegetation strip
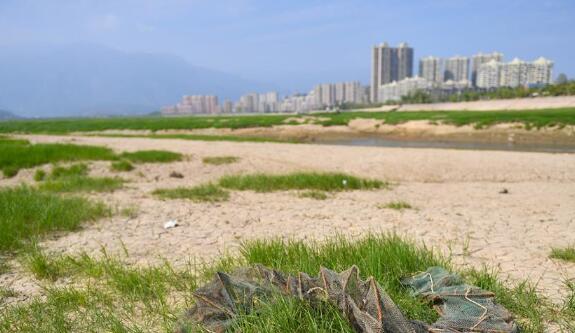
x,y
26,213
220,160
105,294
202,193
152,156
530,118
20,154
397,205
329,182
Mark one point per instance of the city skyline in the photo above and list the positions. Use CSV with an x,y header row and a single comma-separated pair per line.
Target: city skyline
x,y
267,38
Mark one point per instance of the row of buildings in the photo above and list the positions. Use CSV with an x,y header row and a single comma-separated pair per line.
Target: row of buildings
x,y
392,73
322,96
392,77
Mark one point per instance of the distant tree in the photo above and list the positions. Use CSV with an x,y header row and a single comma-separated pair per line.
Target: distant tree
x,y
562,79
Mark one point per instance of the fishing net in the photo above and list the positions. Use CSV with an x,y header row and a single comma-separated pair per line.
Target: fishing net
x,y
364,303
463,308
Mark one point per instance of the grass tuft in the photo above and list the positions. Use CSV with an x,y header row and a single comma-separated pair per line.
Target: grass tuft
x,y
39,175
316,195
397,205
202,193
220,160
76,170
328,182
82,184
565,254
122,166
26,213
152,156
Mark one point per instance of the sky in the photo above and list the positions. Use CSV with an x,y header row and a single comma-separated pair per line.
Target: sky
x,y
293,44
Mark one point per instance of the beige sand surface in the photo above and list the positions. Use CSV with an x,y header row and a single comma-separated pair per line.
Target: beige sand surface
x,y
459,209
501,104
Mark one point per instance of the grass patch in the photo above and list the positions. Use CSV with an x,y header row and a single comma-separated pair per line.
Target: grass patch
x,y
316,195
39,175
26,213
76,170
113,296
566,254
152,156
16,156
202,193
122,166
329,182
220,160
530,118
282,314
82,184
397,205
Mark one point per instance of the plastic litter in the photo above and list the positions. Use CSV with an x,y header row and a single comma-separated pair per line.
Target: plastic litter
x,y
170,224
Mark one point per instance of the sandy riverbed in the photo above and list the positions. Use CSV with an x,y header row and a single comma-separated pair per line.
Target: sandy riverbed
x,y
459,208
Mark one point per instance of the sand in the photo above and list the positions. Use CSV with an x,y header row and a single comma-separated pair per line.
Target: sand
x,y
459,208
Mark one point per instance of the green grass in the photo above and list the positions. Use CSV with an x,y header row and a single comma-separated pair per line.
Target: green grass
x,y
152,156
14,157
531,118
20,154
82,184
282,314
26,213
329,182
316,195
122,166
202,193
110,295
75,170
566,254
220,160
397,205
39,175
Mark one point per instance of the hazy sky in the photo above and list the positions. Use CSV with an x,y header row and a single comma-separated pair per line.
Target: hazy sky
x,y
296,43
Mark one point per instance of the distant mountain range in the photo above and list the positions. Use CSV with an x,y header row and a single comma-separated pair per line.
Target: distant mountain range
x,y
88,80
5,115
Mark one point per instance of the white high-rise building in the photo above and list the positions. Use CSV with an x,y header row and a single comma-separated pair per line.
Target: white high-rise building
x,y
489,75
395,90
431,69
540,72
480,59
516,73
456,69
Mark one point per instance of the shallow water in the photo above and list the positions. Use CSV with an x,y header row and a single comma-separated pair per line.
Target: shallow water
x,y
510,146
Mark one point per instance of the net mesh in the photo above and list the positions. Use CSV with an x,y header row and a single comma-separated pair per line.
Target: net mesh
x,y
363,302
463,308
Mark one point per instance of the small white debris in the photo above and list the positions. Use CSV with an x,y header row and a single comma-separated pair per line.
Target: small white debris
x,y
170,224
344,182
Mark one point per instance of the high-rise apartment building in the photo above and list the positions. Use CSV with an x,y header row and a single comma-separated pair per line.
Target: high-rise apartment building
x,y
540,72
194,105
431,69
488,75
480,59
332,94
390,64
516,73
456,69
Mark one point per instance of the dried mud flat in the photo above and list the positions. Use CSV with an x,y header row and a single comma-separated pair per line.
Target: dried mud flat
x,y
459,209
